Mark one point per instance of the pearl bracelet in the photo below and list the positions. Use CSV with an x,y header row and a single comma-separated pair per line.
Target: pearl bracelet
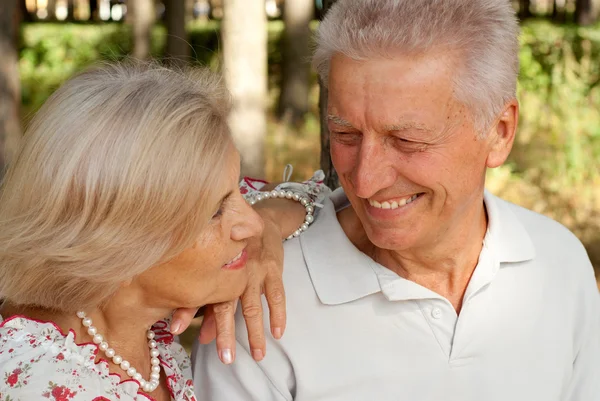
x,y
304,200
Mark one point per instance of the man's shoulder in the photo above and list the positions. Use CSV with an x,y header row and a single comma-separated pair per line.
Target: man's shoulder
x,y
543,230
555,245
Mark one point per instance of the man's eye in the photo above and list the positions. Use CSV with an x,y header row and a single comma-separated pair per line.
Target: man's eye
x,y
402,140
408,145
345,137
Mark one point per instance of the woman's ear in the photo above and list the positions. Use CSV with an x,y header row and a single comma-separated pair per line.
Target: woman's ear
x,y
502,135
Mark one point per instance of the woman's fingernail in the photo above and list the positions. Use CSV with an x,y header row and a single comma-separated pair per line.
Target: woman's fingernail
x,y
277,332
175,326
226,356
257,354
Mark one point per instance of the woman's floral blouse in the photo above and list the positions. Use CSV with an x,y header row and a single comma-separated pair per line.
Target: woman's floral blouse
x,y
40,362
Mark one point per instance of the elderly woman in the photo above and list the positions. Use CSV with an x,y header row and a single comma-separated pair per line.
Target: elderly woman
x,y
122,206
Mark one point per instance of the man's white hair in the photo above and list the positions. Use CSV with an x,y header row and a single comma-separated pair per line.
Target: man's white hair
x,y
482,33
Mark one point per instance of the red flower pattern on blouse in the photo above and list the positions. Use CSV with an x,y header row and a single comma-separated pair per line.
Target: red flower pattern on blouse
x,y
39,361
13,378
59,393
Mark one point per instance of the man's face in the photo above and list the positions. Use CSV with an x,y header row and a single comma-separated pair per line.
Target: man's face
x,y
406,151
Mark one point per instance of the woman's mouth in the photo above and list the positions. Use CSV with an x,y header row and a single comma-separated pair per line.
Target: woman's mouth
x,y
238,262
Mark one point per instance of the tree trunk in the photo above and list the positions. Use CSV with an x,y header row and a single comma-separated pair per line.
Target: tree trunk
x,y
584,12
524,9
143,15
51,9
293,100
70,10
178,49
93,10
245,61
331,177
24,12
559,13
10,89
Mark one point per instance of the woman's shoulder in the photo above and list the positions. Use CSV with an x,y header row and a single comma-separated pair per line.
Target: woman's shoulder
x,y
40,362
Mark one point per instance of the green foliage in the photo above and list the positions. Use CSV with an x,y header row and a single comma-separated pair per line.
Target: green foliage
x,y
52,52
559,90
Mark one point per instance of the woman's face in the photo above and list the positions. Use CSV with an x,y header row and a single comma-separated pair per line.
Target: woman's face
x,y
214,269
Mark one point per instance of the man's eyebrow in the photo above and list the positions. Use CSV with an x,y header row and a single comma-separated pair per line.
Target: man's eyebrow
x,y
408,126
339,121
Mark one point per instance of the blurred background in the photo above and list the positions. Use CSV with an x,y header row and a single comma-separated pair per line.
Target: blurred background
x,y
263,49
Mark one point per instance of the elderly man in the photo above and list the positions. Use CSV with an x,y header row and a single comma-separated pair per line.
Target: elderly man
x,y
424,286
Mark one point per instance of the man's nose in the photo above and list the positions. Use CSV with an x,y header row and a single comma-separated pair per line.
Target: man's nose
x,y
373,171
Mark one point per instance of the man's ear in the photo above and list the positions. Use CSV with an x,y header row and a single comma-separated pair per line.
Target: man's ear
x,y
502,135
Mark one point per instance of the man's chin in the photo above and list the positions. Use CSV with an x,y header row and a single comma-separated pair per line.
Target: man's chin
x,y
392,239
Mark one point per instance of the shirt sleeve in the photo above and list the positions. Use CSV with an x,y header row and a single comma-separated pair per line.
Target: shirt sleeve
x,y
244,380
585,378
314,188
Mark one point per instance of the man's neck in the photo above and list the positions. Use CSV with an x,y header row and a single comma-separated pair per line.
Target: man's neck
x,y
445,266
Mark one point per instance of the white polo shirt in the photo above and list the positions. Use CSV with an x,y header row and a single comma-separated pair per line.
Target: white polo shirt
x,y
529,328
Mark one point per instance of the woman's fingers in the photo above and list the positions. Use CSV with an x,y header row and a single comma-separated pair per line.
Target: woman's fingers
x,y
182,318
275,294
208,330
272,261
253,315
225,327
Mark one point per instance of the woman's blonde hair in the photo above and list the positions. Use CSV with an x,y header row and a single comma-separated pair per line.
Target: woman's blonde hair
x,y
117,173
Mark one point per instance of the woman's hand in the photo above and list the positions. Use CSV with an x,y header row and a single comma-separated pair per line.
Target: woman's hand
x,y
265,269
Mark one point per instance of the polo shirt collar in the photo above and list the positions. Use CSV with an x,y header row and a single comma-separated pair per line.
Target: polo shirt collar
x,y
506,235
340,273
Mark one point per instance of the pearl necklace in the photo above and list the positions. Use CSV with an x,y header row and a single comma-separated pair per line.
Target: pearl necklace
x,y
148,386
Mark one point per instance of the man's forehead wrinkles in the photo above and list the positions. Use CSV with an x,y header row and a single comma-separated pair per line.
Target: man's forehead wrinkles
x,y
400,126
408,125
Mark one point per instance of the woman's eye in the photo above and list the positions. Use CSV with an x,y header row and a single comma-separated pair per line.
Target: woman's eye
x,y
221,209
218,213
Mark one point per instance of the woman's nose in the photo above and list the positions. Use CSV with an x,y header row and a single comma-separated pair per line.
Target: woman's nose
x,y
249,223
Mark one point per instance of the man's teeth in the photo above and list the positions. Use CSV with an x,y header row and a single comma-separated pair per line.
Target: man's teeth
x,y
236,258
393,204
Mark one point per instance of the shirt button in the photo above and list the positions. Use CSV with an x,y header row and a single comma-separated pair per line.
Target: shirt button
x,y
436,313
